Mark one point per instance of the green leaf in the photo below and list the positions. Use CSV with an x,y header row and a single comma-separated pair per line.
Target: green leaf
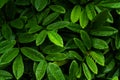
x,y
117,41
90,10
17,23
6,32
26,38
6,45
34,29
55,38
91,64
58,8
100,18
83,19
86,39
22,2
41,37
50,18
86,72
80,45
56,57
118,11
57,25
5,74
103,31
75,14
41,69
98,57
55,71
110,18
3,2
73,69
32,54
115,78
73,54
99,43
18,67
110,4
109,66
9,56
79,73
40,4
53,49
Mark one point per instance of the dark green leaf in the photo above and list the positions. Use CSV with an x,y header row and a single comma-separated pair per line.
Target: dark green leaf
x,y
86,39
23,2
6,32
58,25
56,57
3,2
55,38
75,14
86,72
32,54
18,67
117,42
55,71
58,8
110,4
80,45
98,57
41,37
40,4
50,18
103,31
41,69
34,29
9,56
6,45
99,43
17,23
91,64
5,74
73,69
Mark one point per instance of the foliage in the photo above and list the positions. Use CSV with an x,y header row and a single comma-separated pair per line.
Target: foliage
x,y
59,39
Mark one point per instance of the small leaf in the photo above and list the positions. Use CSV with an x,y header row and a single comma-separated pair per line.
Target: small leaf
x,y
17,23
110,4
3,2
6,45
6,32
73,54
5,74
53,49
91,13
58,8
34,29
86,72
56,57
55,71
32,54
26,38
86,39
115,78
99,43
103,31
75,14
83,19
41,69
80,45
117,41
98,57
92,65
73,69
100,18
40,4
18,67
57,25
55,38
50,18
41,37
9,56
